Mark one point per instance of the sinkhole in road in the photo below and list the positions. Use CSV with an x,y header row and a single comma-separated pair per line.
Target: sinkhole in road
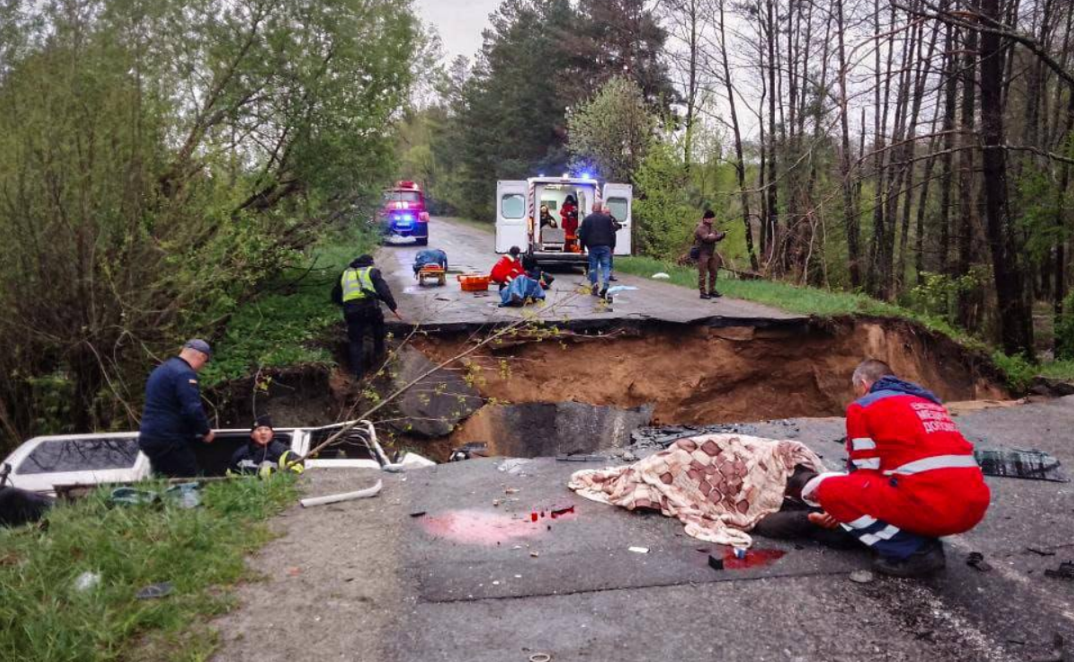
x,y
549,394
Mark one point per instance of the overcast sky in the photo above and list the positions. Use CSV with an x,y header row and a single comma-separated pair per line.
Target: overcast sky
x,y
459,22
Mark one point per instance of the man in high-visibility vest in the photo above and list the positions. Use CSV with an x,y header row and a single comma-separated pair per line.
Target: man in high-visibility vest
x,y
360,289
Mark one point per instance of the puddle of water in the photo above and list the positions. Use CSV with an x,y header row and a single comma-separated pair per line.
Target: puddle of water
x,y
475,527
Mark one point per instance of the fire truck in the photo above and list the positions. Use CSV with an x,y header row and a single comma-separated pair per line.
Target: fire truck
x,y
403,215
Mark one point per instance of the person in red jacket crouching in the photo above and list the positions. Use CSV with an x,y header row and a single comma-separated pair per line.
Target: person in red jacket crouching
x,y
911,477
508,268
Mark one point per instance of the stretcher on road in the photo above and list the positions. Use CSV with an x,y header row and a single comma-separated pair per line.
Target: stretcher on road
x,y
433,272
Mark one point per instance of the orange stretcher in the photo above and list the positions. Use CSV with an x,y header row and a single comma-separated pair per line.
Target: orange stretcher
x,y
432,272
474,282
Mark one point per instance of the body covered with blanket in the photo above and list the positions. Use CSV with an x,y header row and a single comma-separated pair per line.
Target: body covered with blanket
x,y
718,485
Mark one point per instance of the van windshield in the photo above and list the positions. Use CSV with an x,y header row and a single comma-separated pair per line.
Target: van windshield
x,y
60,455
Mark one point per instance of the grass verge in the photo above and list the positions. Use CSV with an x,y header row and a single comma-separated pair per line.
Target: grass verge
x,y
824,303
794,299
44,618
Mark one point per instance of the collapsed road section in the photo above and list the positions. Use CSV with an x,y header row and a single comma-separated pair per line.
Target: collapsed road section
x,y
568,391
562,389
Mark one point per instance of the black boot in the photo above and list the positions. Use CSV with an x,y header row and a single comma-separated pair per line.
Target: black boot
x,y
925,561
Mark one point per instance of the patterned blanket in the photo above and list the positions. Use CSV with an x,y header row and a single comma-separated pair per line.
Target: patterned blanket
x,y
718,485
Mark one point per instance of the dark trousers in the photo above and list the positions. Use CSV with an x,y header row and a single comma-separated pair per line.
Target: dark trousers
x,y
174,459
707,265
360,325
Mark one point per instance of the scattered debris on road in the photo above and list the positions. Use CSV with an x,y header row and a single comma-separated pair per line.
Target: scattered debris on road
x,y
1028,464
862,577
976,561
1064,571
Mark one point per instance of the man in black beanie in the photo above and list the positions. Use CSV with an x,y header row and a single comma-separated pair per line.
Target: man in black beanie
x,y
261,448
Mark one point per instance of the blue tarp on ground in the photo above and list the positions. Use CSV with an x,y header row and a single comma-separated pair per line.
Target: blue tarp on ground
x,y
430,256
520,290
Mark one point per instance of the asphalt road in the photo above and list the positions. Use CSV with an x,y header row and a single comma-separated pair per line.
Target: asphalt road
x,y
471,249
434,569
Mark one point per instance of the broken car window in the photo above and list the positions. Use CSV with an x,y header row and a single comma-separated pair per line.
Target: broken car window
x,y
61,455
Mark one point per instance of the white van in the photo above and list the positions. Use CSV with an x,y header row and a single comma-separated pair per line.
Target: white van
x,y
43,463
518,206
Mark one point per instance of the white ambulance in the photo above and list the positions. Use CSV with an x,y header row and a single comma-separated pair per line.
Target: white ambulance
x,y
518,205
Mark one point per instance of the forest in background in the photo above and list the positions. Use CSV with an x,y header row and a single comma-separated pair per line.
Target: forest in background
x,y
163,163
915,150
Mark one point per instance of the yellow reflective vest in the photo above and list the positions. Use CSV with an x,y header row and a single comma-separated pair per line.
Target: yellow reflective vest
x,y
357,284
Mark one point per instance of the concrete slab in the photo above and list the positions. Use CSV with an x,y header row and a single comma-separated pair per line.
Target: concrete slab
x,y
471,249
366,580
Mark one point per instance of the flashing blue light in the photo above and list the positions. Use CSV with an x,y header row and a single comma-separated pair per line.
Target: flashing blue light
x,y
586,176
408,217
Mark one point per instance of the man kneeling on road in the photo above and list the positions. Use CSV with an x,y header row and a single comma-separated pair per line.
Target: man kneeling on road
x,y
173,417
912,479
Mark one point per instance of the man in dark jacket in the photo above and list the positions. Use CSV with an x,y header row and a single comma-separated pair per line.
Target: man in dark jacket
x,y
597,237
173,417
708,260
360,289
261,448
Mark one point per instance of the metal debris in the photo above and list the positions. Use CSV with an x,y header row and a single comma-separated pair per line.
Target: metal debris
x,y
1015,463
1064,571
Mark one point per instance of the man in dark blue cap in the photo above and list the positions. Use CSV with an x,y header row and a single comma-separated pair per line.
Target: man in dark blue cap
x,y
173,417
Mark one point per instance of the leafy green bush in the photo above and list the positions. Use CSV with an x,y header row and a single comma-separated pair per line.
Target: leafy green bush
x,y
287,324
1018,371
664,221
1064,330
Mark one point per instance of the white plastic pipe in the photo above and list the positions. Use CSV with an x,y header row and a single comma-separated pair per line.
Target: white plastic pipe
x,y
345,496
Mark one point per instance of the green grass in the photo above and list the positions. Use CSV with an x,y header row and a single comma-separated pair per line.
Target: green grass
x,y
287,324
793,299
824,303
44,618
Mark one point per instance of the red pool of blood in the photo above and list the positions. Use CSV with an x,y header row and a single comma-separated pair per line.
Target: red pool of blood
x,y
474,527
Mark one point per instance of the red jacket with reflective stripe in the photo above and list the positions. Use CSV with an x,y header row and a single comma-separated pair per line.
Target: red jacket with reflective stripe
x,y
888,429
506,270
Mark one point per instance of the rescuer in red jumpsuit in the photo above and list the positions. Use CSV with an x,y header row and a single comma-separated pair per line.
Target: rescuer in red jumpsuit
x,y
912,476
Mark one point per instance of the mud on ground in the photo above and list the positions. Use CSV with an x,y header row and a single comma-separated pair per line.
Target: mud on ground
x,y
701,375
